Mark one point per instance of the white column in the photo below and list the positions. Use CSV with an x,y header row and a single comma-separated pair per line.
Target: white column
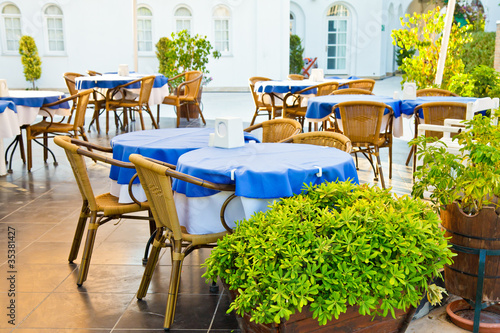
x,y
444,42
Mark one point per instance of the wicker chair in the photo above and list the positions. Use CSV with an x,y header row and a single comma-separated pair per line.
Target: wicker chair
x,y
277,130
265,103
97,100
187,93
133,103
156,181
296,77
434,92
362,124
366,84
46,129
322,138
295,104
101,208
352,91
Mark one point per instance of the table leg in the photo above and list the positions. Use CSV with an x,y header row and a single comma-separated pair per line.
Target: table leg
x,y
3,169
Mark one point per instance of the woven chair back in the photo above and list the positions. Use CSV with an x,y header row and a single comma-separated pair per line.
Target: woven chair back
x,y
436,112
296,77
93,73
326,88
69,78
193,87
146,87
251,84
324,138
362,121
79,168
277,130
352,91
81,108
366,84
434,92
157,185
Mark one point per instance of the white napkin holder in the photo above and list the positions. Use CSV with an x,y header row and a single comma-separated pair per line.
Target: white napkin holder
x,y
123,70
4,90
409,91
317,75
228,132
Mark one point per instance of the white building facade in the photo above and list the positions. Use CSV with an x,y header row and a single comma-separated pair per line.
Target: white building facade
x,y
346,37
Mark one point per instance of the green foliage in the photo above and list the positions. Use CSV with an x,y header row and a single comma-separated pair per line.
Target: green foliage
x,y
296,55
183,52
471,177
402,54
479,51
30,59
422,32
334,245
482,81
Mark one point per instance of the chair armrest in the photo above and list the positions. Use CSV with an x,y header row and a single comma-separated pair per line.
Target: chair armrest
x,y
184,86
199,181
437,128
112,92
91,146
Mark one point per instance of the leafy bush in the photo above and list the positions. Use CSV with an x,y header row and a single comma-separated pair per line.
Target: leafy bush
x,y
422,32
183,52
296,54
482,81
479,51
336,244
30,59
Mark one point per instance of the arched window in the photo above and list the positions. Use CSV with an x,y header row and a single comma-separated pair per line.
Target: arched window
x,y
144,29
54,25
337,42
292,24
221,29
11,16
183,19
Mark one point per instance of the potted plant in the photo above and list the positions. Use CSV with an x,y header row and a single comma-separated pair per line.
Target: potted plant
x,y
339,255
30,59
464,189
183,52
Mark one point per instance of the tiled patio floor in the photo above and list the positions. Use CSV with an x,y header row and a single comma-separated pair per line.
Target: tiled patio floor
x,y
43,207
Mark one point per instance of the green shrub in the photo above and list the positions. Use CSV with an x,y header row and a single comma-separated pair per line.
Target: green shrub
x,y
335,245
479,51
296,55
482,81
30,59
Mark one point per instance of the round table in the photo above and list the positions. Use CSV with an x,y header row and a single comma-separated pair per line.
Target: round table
x,y
165,145
261,172
408,105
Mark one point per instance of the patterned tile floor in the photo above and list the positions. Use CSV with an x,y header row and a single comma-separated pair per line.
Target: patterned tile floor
x,y
43,207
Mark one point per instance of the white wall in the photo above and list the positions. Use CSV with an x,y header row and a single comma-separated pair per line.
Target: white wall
x,y
99,36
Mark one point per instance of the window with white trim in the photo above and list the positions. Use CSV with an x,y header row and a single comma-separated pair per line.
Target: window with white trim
x,y
183,19
55,31
292,24
144,30
221,29
11,16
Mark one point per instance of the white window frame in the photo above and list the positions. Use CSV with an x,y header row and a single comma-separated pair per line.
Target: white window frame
x,y
145,18
229,29
348,20
46,18
183,19
4,28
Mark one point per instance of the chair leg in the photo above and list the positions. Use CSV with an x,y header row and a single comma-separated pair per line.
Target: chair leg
x,y
201,114
410,154
28,148
141,118
21,148
173,289
107,119
80,228
148,110
89,246
158,114
254,116
45,149
151,265
390,161
178,116
379,167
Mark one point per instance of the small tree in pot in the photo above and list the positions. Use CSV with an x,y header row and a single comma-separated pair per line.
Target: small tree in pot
x,y
337,248
30,59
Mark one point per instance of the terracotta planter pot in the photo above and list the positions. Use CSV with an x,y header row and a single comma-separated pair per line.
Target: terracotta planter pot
x,y
351,322
461,314
480,231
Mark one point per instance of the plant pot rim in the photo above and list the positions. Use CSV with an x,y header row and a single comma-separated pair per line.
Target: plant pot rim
x,y
467,324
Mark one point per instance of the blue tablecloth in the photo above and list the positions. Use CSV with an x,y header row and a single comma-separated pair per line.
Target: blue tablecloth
x,y
321,106
339,78
292,86
165,145
264,170
408,106
37,101
7,105
108,81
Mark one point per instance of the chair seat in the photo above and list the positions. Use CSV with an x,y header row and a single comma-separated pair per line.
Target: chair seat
x,y
173,99
45,126
109,205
